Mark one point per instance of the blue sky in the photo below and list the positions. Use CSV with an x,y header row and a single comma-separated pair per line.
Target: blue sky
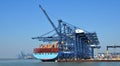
x,y
22,19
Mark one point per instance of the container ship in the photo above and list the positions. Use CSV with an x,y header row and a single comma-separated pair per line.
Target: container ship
x,y
46,52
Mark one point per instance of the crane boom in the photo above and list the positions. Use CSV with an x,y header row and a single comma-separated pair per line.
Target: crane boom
x,y
49,19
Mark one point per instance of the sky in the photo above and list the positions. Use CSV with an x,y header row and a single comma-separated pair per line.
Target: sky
x,y
20,20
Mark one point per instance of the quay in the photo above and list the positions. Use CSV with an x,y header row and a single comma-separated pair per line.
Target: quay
x,y
89,60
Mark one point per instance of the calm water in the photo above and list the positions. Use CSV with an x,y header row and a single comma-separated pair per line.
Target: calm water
x,y
38,63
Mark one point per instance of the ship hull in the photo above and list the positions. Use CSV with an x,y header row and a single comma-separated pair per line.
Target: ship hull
x,y
46,57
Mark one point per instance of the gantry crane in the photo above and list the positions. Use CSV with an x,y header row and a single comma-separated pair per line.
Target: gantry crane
x,y
114,46
73,42
94,47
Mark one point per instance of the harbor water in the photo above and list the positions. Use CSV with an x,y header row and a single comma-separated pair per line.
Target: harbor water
x,y
38,63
